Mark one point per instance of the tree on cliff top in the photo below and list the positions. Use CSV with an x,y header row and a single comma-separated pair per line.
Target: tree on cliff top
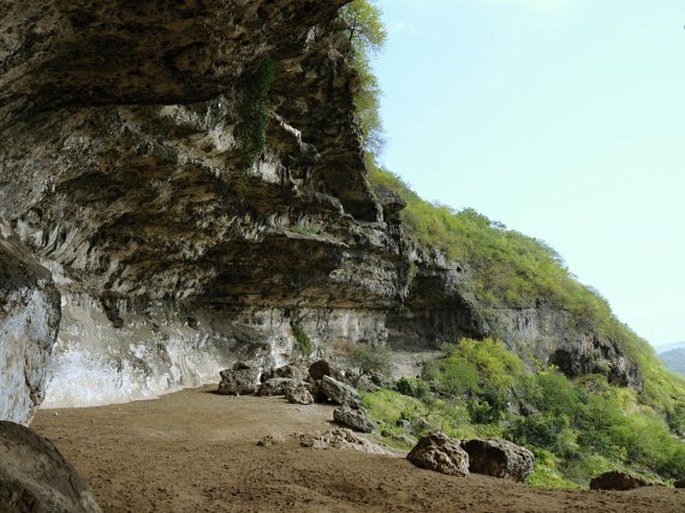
x,y
367,35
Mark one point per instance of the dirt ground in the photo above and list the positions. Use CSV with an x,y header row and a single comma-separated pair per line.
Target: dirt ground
x,y
194,451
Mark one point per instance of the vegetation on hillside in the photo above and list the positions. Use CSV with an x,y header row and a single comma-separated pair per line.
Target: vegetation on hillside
x,y
576,428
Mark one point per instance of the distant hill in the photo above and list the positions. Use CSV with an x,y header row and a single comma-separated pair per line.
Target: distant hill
x,y
674,358
669,347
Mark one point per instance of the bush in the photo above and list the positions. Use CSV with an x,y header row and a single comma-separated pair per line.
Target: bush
x,y
370,359
413,387
304,343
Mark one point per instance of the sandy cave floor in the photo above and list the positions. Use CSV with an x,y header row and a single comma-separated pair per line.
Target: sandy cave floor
x,y
195,451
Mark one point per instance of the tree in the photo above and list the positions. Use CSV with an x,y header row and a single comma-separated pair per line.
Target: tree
x,y
367,36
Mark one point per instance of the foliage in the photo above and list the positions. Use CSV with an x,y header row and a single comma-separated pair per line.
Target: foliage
x,y
367,35
304,343
577,429
370,359
512,270
254,112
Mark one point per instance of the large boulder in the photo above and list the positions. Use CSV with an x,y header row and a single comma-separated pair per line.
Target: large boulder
x,y
499,458
299,394
617,480
293,372
35,478
319,369
440,453
339,392
275,386
354,419
29,320
241,379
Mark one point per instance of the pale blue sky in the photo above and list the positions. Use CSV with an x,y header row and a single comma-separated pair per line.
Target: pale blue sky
x,y
563,119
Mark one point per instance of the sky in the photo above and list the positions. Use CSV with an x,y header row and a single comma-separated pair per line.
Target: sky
x,y
562,119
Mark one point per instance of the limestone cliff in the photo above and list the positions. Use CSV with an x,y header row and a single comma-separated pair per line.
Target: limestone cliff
x,y
190,173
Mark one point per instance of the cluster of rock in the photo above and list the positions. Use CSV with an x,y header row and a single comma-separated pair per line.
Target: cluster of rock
x,y
494,457
339,438
300,384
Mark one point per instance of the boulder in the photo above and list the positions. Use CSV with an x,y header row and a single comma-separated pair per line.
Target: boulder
x,y
499,458
617,480
299,394
339,392
35,478
275,386
319,369
241,379
293,372
354,419
440,453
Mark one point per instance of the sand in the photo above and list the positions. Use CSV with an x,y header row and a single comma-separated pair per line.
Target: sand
x,y
195,451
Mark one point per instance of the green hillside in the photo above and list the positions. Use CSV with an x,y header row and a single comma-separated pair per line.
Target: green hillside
x,y
577,428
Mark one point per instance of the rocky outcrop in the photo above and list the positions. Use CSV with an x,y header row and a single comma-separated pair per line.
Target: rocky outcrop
x,y
440,453
499,458
35,478
191,174
29,319
617,480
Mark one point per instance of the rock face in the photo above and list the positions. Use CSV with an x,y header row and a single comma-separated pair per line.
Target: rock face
x,y
29,319
440,453
35,478
616,480
192,176
499,458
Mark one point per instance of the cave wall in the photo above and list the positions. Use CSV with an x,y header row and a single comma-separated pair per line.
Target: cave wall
x,y
29,319
187,219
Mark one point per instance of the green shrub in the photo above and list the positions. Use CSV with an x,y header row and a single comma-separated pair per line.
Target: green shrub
x,y
413,387
304,343
370,359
